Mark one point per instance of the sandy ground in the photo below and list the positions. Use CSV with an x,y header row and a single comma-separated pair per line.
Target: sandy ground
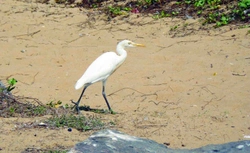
x,y
187,87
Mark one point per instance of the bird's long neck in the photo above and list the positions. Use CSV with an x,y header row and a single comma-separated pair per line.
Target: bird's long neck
x,y
121,52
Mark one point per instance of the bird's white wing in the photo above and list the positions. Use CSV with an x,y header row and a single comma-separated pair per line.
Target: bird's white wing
x,y
100,69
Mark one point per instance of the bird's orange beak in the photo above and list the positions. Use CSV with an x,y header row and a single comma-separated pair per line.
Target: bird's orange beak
x,y
139,45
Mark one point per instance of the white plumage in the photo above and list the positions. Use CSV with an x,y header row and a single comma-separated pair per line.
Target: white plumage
x,y
103,67
100,69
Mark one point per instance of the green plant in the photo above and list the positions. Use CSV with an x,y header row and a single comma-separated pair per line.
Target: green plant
x,y
150,2
112,123
39,110
118,10
12,110
238,11
115,10
174,13
177,3
213,4
12,82
66,106
162,14
127,9
188,1
199,3
199,12
79,122
212,18
244,4
54,104
244,26
185,25
147,3
223,21
174,28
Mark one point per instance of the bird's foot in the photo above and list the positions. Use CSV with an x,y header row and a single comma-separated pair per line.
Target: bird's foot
x,y
76,106
112,112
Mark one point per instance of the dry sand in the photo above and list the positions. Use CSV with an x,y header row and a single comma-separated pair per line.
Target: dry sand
x,y
188,87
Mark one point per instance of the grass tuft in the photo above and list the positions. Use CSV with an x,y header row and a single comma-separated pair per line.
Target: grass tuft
x,y
79,122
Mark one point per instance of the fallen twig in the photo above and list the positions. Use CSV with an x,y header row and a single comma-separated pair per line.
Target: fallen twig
x,y
176,43
237,74
28,34
151,125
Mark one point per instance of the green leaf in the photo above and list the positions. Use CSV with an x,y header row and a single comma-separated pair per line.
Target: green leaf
x,y
12,82
242,5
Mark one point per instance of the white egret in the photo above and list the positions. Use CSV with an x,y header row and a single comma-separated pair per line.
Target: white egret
x,y
102,68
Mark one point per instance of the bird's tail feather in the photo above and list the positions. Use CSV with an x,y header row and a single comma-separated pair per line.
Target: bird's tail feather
x,y
79,84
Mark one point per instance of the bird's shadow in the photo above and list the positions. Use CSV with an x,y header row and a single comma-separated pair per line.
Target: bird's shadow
x,y
95,110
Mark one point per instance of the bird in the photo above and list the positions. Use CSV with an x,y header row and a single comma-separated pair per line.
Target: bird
x,y
101,68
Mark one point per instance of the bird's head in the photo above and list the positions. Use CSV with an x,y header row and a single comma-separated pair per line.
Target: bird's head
x,y
128,43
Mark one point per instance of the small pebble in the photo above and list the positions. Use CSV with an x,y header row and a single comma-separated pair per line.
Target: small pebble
x,y
240,146
23,50
42,124
247,136
167,143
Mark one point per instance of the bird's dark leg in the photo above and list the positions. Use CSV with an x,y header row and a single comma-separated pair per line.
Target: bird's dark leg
x,y
104,95
78,102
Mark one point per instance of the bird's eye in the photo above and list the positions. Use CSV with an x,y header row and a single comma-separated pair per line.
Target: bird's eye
x,y
129,43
